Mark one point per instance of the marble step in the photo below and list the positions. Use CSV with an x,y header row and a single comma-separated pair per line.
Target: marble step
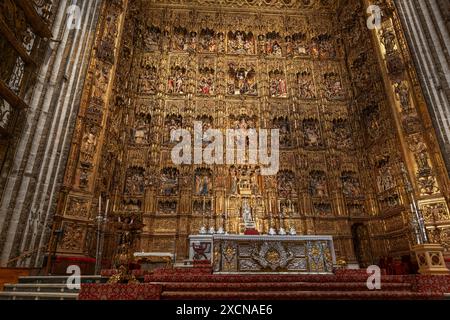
x,y
39,287
299,295
278,286
59,279
37,296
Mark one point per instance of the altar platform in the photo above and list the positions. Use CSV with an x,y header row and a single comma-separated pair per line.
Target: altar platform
x,y
264,253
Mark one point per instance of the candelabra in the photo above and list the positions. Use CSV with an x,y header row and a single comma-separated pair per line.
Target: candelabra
x,y
292,230
203,227
282,231
101,222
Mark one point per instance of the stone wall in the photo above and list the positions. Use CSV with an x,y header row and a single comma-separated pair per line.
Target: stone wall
x,y
426,26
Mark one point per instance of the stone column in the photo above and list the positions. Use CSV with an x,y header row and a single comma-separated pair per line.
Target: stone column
x,y
30,196
426,29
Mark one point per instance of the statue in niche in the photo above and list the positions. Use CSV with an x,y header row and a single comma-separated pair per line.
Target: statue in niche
x,y
84,178
332,85
289,46
312,134
208,41
254,185
242,122
207,123
173,122
283,124
141,129
206,82
135,182
285,182
388,40
419,148
402,93
305,84
318,184
203,182
201,206
89,144
192,42
300,45
277,88
152,38
323,47
247,214
350,184
385,179
180,39
169,181
342,134
167,207
273,44
371,116
242,81
323,209
148,78
240,42
177,80
234,180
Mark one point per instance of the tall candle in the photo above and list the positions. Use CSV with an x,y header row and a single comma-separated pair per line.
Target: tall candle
x,y
226,210
99,204
107,208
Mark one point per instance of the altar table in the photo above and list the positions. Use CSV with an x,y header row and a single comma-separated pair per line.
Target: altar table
x,y
265,253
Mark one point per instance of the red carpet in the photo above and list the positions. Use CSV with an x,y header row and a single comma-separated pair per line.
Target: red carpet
x,y
201,284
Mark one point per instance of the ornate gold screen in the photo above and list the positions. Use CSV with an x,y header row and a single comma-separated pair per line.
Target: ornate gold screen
x,y
309,68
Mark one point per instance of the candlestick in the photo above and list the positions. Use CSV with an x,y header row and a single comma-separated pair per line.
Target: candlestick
x,y
107,208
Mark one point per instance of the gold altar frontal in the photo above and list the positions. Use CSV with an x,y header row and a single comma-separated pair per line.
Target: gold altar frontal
x,y
269,254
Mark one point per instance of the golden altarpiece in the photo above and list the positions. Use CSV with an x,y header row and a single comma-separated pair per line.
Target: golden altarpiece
x,y
358,150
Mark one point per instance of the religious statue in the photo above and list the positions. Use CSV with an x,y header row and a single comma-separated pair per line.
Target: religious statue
x,y
240,42
128,227
312,133
152,38
278,86
234,182
177,80
247,215
141,130
305,85
135,182
388,39
205,84
203,183
342,134
419,148
318,184
169,181
332,85
242,80
300,46
207,41
89,145
402,91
